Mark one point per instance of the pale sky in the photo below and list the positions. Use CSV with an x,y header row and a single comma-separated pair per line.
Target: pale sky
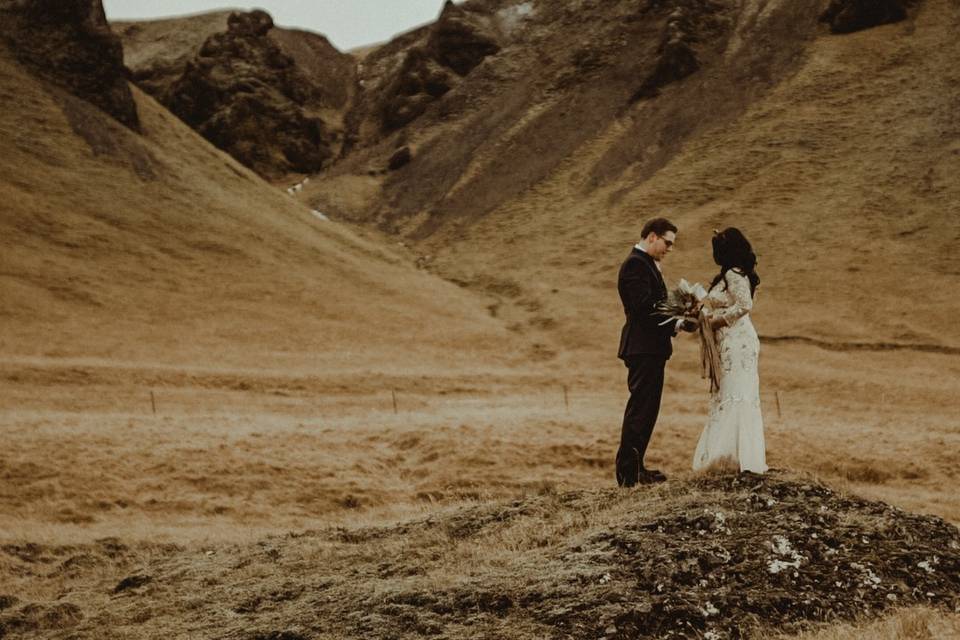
x,y
348,24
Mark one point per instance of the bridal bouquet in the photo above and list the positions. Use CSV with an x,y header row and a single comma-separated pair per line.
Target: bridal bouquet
x,y
682,302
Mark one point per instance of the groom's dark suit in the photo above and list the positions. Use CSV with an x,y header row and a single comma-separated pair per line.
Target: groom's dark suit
x,y
645,346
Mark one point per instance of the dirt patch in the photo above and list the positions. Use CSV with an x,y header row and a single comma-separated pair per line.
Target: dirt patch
x,y
747,552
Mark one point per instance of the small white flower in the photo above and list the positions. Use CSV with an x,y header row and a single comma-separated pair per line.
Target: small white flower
x,y
711,635
709,609
771,502
605,578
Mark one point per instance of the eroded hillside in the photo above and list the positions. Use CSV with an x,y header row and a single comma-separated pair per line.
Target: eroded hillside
x,y
153,246
530,178
518,146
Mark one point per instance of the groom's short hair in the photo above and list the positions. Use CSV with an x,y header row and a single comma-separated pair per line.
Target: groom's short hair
x,y
658,226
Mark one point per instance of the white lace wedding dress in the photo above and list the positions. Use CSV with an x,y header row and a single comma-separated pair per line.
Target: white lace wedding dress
x,y
734,432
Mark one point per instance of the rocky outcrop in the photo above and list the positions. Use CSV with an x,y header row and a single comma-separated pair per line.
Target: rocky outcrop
x,y
419,82
69,43
270,97
847,16
688,23
456,44
400,158
677,61
245,95
460,40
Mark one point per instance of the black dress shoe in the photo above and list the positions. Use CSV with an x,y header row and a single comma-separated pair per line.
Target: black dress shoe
x,y
651,476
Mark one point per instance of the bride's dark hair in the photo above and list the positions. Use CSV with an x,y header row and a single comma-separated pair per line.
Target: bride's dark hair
x,y
732,250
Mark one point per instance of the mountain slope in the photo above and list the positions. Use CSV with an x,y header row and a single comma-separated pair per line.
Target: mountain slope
x,y
159,247
530,179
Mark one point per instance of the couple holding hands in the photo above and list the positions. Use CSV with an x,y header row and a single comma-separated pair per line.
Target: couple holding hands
x,y
730,348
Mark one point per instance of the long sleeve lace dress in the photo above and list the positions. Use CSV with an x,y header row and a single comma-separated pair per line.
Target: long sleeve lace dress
x,y
734,431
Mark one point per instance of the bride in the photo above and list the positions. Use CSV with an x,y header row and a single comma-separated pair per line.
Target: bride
x,y
733,436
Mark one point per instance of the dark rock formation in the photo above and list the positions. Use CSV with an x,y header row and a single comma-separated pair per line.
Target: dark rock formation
x,y
677,61
246,96
69,43
456,44
459,40
255,24
132,582
419,82
688,23
847,16
401,157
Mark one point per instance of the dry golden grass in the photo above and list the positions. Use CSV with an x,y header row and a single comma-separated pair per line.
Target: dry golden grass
x,y
907,624
273,344
836,171
232,453
106,238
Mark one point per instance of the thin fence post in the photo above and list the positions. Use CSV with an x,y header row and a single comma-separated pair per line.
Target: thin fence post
x,y
393,392
779,408
153,402
566,399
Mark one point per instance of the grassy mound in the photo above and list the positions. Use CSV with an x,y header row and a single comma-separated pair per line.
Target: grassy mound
x,y
725,556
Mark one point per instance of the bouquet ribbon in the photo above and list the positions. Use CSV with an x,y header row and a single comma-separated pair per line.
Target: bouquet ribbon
x,y
709,353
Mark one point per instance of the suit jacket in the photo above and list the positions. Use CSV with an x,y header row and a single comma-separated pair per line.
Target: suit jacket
x,y
641,288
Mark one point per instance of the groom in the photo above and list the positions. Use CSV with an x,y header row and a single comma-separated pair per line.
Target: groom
x,y
645,346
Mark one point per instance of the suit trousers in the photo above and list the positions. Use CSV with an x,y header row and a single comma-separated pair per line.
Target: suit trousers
x,y
645,381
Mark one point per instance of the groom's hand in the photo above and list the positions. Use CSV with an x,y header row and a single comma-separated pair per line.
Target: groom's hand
x,y
688,324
